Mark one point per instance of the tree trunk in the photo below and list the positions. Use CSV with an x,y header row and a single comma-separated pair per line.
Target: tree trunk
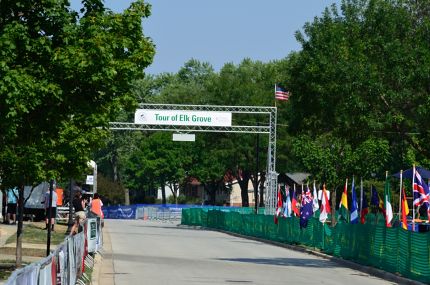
x,y
243,183
114,165
255,183
211,190
262,182
174,187
20,218
126,197
163,193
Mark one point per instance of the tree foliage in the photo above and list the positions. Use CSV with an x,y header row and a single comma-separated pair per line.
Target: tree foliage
x,y
362,73
61,77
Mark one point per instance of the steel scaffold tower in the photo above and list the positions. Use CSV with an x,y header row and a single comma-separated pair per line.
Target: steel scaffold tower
x,y
272,176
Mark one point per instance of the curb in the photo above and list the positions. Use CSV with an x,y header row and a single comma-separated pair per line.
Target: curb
x,y
103,271
388,276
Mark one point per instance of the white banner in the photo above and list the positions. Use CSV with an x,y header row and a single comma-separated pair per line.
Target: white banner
x,y
182,118
90,180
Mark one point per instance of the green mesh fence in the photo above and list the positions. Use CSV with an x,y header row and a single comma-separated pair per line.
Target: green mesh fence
x,y
391,249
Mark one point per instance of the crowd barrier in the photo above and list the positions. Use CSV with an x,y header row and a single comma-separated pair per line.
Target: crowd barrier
x,y
66,264
163,212
373,244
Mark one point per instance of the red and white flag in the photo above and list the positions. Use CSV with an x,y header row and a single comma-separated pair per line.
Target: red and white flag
x,y
325,206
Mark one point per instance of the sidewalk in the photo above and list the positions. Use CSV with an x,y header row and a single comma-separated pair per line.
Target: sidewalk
x,y
104,272
5,232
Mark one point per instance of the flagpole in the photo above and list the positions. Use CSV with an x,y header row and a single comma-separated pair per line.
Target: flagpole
x,y
413,198
385,198
400,191
294,213
361,195
275,95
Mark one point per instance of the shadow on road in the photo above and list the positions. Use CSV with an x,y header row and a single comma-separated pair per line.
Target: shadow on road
x,y
299,262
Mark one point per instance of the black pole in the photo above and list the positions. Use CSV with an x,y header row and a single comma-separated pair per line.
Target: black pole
x,y
257,166
48,242
70,221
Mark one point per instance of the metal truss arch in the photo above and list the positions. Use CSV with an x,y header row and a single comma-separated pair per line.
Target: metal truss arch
x,y
270,130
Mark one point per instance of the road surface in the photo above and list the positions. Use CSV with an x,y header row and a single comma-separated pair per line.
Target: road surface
x,y
156,253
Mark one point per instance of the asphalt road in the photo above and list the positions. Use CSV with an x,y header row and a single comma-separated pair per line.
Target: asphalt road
x,y
156,253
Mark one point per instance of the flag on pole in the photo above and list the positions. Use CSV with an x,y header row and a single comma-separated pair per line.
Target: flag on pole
x,y
364,209
354,206
421,192
281,93
294,203
306,209
278,205
287,203
405,210
315,205
375,198
343,206
325,206
387,204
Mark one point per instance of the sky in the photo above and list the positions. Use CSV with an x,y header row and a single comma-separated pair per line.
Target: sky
x,y
222,31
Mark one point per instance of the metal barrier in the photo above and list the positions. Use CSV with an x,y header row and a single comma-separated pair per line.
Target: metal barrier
x,y
65,265
163,214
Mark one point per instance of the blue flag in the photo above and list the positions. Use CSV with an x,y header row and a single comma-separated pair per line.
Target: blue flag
x,y
306,210
375,198
354,206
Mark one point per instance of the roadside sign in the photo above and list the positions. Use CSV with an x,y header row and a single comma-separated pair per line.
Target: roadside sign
x,y
184,137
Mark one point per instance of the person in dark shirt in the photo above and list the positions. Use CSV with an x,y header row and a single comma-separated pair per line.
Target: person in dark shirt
x,y
79,205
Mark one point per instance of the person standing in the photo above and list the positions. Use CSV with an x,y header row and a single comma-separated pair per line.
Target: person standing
x,y
96,205
53,210
12,196
79,206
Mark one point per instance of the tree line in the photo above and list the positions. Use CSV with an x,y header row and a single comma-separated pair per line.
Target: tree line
x,y
358,106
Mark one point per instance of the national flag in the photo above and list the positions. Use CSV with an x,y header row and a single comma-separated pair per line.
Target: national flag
x,y
364,209
281,93
287,203
405,210
421,192
306,209
343,206
278,205
325,206
315,205
374,201
388,208
354,206
294,203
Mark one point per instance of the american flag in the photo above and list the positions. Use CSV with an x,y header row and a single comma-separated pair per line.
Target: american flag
x,y
281,94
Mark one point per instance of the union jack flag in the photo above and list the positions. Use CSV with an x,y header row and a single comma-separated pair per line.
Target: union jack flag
x,y
421,191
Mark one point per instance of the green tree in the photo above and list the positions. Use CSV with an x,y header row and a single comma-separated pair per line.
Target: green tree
x,y
362,74
61,76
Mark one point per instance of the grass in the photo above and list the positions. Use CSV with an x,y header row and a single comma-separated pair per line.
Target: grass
x,y
34,233
6,268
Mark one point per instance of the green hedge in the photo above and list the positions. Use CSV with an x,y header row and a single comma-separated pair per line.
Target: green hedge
x,y
391,249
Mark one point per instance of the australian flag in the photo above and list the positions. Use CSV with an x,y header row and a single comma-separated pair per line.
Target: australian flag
x,y
306,210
